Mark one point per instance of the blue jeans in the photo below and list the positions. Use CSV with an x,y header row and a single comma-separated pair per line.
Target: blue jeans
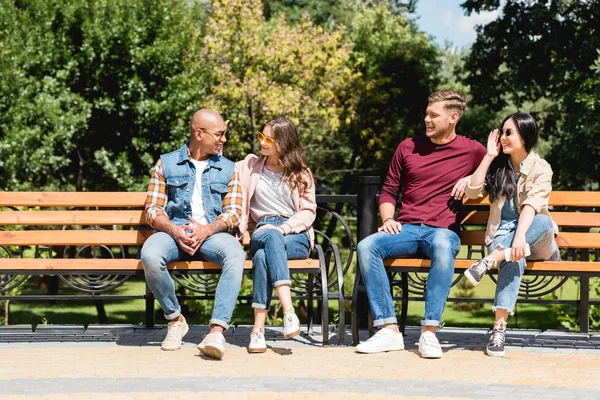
x,y
220,248
540,237
438,244
270,251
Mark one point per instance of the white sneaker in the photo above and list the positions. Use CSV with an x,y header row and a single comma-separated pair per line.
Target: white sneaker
x,y
257,343
291,324
213,345
384,340
176,330
429,346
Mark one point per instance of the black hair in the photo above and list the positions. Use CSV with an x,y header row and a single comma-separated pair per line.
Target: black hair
x,y
499,179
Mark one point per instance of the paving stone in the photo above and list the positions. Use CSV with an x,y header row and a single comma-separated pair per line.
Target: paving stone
x,y
16,329
59,329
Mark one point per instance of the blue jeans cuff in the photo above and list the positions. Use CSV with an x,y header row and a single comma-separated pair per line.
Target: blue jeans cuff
x,y
385,321
282,282
174,315
510,312
258,305
222,324
430,322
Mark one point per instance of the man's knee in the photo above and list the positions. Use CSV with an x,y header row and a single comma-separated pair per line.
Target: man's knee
x,y
446,242
152,257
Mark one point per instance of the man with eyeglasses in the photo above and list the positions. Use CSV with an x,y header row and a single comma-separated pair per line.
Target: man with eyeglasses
x,y
186,205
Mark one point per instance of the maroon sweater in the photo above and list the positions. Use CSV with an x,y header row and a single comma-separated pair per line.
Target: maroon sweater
x,y
429,172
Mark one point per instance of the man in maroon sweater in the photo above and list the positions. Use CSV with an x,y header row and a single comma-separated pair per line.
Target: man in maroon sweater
x,y
432,169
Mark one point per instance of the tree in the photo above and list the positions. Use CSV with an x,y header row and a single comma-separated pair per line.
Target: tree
x,y
544,52
400,66
262,69
92,92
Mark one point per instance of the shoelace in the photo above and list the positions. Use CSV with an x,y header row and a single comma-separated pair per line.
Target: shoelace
x,y
172,329
484,265
498,338
431,341
255,337
377,334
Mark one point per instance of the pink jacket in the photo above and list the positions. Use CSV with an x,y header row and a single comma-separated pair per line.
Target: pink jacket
x,y
250,170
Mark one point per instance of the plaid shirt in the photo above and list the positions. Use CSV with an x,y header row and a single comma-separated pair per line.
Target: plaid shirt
x,y
156,199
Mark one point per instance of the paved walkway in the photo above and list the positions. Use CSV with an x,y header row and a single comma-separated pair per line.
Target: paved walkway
x,y
125,362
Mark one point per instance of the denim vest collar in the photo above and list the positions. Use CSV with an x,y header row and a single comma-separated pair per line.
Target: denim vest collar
x,y
180,179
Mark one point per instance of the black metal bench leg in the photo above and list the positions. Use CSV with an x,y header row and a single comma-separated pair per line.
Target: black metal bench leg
x,y
309,304
355,295
404,312
584,309
325,309
149,308
342,308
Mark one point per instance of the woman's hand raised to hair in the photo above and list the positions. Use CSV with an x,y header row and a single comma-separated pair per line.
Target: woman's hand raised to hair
x,y
493,144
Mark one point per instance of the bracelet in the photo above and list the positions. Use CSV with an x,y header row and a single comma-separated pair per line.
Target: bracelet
x,y
387,219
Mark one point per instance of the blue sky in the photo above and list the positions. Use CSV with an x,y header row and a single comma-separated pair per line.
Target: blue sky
x,y
445,20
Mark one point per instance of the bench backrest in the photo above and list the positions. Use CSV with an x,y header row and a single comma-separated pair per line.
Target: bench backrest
x,y
577,215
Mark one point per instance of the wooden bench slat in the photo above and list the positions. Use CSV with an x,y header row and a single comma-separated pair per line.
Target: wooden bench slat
x,y
576,240
73,199
562,219
557,198
74,237
125,265
570,266
74,217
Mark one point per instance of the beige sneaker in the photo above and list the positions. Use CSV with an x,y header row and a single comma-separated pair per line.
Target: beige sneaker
x,y
176,330
291,324
213,345
257,343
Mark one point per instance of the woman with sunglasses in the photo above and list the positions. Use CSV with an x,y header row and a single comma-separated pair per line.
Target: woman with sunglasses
x,y
519,227
279,209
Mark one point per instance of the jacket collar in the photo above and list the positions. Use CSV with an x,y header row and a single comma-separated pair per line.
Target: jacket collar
x,y
528,163
184,156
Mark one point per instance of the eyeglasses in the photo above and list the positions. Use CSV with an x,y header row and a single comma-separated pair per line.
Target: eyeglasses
x,y
268,140
217,135
505,132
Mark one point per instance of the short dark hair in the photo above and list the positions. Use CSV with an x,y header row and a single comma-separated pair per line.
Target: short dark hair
x,y
453,100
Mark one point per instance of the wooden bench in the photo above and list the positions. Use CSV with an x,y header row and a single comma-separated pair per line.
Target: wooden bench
x,y
92,242
576,213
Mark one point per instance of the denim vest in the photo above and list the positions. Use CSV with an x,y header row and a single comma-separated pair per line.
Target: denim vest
x,y
180,178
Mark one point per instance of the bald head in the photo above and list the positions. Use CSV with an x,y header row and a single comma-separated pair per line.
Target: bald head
x,y
206,119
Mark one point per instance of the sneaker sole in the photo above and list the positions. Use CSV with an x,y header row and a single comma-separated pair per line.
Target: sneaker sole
x,y
211,351
431,355
471,279
257,350
495,353
291,335
379,351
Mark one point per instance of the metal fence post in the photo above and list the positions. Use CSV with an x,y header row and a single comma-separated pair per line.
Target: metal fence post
x,y
366,224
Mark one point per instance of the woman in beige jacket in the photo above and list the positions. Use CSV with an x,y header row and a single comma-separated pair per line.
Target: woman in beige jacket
x,y
279,208
519,227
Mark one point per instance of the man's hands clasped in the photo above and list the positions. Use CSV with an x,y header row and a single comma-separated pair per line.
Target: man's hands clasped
x,y
191,236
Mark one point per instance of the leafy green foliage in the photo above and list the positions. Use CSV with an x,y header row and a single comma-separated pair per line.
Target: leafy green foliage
x,y
544,54
92,92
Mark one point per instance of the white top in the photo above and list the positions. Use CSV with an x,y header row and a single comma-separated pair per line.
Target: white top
x,y
197,204
272,196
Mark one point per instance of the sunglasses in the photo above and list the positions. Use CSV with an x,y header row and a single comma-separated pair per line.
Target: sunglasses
x,y
506,132
268,140
217,135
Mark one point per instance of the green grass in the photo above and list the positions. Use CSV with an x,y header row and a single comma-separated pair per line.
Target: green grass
x,y
198,312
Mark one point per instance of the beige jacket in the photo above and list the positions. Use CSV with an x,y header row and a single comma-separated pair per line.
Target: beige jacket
x,y
250,170
533,188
